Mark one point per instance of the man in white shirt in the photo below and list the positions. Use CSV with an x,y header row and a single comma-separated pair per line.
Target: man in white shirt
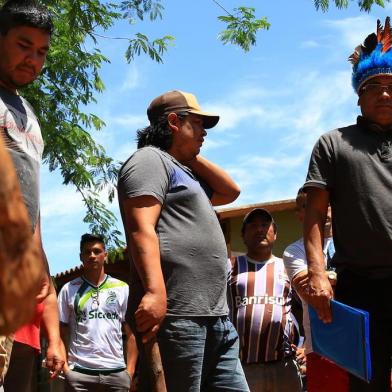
x,y
92,314
322,374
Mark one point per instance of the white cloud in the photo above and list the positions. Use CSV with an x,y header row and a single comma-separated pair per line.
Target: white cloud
x,y
352,31
251,170
248,105
326,101
211,144
61,201
313,103
231,115
268,178
132,121
124,151
310,44
132,79
283,129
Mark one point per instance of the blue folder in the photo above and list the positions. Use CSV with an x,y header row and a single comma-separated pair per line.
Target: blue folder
x,y
345,341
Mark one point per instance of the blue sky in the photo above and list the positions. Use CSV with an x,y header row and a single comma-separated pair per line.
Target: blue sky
x,y
274,101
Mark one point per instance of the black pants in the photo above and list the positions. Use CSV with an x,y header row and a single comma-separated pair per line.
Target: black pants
x,y
20,373
373,295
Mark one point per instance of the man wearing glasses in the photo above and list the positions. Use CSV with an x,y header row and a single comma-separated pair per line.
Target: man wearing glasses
x,y
92,314
351,168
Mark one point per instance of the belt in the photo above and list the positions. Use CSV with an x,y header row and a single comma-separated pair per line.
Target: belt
x,y
274,361
95,372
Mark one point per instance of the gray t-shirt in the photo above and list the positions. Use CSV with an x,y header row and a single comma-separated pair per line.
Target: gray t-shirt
x,y
21,133
355,165
192,246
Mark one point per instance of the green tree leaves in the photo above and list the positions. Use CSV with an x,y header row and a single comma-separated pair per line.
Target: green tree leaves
x,y
138,9
242,24
141,44
242,27
364,5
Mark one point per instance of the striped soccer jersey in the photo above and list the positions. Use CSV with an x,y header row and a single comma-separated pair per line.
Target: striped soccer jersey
x,y
94,316
259,297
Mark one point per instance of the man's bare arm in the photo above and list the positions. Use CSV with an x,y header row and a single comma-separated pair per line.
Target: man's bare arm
x,y
46,280
320,289
300,282
224,188
131,350
64,333
55,355
141,216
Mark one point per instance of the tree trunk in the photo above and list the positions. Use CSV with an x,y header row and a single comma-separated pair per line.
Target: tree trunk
x,y
156,370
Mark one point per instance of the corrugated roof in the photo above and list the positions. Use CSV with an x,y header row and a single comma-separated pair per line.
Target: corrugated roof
x,y
69,271
274,206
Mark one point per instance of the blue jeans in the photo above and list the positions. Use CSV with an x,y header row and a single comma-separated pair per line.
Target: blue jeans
x,y
199,354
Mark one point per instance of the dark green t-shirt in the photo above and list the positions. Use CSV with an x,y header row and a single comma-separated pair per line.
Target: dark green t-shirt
x,y
355,165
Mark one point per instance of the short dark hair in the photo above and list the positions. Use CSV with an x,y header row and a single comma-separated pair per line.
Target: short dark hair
x,y
15,13
157,134
91,238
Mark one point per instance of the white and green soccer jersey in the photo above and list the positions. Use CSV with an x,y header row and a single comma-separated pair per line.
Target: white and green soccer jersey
x,y
94,316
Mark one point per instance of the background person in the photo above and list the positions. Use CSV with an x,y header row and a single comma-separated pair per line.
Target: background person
x,y
260,300
92,314
322,375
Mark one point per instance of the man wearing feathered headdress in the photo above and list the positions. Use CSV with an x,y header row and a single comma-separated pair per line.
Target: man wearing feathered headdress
x,y
351,168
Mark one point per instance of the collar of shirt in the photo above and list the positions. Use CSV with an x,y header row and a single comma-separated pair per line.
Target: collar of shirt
x,y
366,124
258,262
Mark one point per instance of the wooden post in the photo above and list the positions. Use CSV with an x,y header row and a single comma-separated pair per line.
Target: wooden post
x,y
157,375
21,265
